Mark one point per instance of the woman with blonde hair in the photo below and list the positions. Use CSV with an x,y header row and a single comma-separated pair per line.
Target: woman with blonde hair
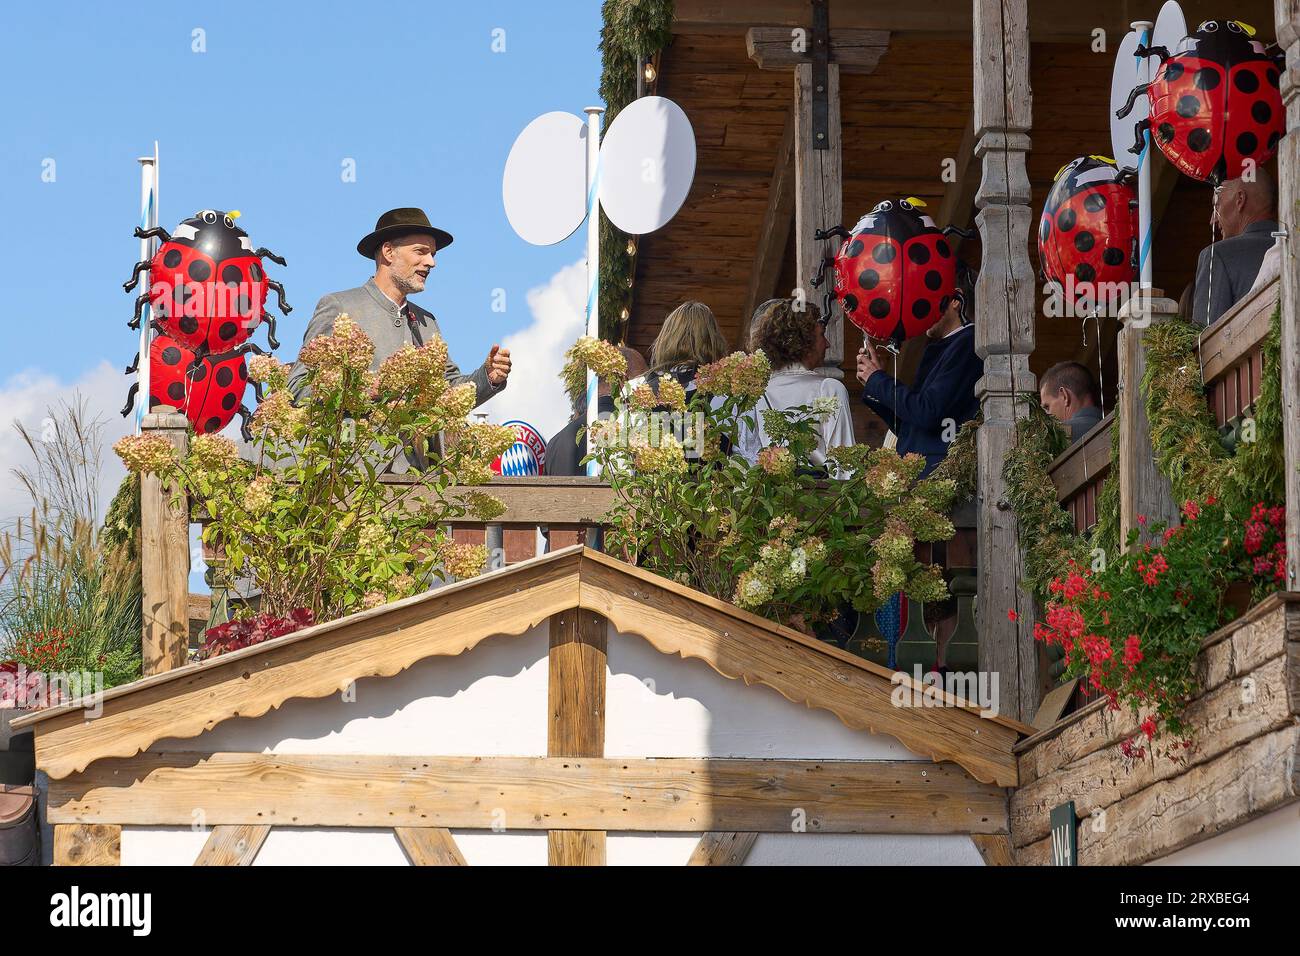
x,y
689,337
794,341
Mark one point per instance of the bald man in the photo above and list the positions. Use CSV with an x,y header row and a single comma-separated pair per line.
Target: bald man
x,y
1244,214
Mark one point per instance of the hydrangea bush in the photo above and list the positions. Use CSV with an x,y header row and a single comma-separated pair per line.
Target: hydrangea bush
x,y
311,519
782,537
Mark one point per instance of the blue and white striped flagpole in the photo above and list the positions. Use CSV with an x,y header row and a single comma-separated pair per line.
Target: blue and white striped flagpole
x,y
593,264
148,220
1143,28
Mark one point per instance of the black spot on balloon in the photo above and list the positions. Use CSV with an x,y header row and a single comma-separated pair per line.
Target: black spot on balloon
x,y
198,372
1173,71
228,401
1245,81
227,330
1188,106
884,253
1066,220
1094,202
941,247
176,392
245,305
869,279
921,308
189,324
1084,241
1084,272
1198,140
255,271
200,270
1113,256
933,280
918,254
171,355
879,308
1261,112
181,293
231,275
225,376
850,302
855,248
212,424
1166,132
172,259
243,372
1207,78
1247,143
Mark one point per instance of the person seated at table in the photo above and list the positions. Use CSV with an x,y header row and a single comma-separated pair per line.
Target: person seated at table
x,y
1244,212
927,415
1069,394
794,342
565,450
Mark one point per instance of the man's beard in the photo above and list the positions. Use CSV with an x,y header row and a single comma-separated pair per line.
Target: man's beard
x,y
408,285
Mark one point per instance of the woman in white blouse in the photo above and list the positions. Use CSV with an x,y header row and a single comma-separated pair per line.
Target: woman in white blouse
x,y
794,341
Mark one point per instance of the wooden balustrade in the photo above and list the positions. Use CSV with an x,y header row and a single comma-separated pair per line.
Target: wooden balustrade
x,y
1079,472
1232,356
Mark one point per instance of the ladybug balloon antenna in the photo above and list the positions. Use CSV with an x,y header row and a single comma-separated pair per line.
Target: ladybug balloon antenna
x,y
130,395
1133,94
141,301
156,232
245,417
1139,136
958,231
1160,51
832,233
134,366
265,253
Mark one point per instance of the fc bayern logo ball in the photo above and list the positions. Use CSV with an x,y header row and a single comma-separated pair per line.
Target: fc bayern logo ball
x,y
527,456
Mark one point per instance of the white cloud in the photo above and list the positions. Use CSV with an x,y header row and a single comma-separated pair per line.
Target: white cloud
x,y
28,397
535,394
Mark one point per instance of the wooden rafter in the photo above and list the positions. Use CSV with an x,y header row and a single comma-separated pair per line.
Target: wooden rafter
x,y
722,849
533,793
774,236
854,51
430,846
236,845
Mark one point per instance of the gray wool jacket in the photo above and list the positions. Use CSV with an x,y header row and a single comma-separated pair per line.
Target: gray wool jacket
x,y
380,319
1226,270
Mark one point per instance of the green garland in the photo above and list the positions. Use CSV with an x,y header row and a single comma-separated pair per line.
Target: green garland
x,y
632,29
1046,530
961,464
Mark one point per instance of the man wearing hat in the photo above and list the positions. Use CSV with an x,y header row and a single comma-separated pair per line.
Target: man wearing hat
x,y
403,247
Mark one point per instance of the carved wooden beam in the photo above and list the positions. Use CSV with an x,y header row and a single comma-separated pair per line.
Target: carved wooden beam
x,y
784,48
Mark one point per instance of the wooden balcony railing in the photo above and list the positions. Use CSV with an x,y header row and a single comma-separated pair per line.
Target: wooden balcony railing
x,y
1232,359
1079,473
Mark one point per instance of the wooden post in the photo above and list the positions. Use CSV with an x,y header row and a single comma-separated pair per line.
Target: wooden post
x,y
164,557
1287,13
576,726
1143,491
819,201
1004,338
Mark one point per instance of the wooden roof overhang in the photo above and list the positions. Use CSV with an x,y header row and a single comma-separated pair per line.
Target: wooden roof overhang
x,y
320,661
733,244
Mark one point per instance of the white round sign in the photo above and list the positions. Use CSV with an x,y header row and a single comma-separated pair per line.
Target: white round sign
x,y
1129,71
1170,31
545,184
647,164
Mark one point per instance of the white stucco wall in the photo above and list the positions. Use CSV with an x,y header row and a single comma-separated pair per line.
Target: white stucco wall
x,y
1270,840
492,701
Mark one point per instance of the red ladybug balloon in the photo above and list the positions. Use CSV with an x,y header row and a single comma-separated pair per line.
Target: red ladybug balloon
x,y
207,284
1215,107
209,390
895,273
1087,234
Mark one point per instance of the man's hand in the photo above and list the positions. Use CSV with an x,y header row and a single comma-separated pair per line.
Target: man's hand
x,y
868,363
498,366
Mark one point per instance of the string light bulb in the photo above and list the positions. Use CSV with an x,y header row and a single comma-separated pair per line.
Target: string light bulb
x,y
631,247
649,72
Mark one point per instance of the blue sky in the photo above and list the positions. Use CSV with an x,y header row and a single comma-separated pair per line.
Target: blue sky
x,y
262,122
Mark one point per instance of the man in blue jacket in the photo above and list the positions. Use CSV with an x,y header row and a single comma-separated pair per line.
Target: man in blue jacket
x,y
927,414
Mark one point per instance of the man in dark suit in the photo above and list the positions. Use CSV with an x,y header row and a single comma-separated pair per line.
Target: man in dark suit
x,y
1244,213
565,450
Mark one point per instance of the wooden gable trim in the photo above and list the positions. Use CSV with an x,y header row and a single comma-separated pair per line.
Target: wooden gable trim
x,y
740,645
322,660
316,662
